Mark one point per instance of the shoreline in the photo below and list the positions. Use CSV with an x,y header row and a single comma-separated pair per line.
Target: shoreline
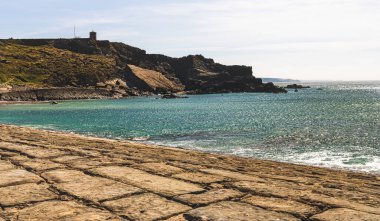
x,y
65,171
145,142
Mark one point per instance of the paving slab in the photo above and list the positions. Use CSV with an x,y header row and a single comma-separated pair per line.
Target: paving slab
x,y
88,187
144,180
266,189
87,163
342,214
177,218
40,164
208,197
25,193
282,205
59,211
17,176
66,158
234,211
7,153
5,165
32,151
159,168
63,175
43,152
234,175
197,177
146,207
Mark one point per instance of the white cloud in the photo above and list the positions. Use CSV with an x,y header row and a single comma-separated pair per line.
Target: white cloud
x,y
291,38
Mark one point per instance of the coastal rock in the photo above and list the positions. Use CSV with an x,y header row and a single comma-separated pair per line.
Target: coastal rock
x,y
296,86
113,66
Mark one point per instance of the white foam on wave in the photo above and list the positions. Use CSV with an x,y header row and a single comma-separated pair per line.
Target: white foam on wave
x,y
140,138
332,159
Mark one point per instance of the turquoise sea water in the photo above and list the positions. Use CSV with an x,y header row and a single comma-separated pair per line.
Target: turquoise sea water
x,y
338,126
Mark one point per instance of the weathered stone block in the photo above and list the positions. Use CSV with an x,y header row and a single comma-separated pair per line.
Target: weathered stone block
x,y
342,214
88,187
66,158
17,176
25,193
209,197
159,168
144,180
233,211
199,177
146,207
282,205
60,210
234,175
40,164
5,165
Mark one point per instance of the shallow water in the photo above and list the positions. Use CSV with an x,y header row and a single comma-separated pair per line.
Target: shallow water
x,y
338,126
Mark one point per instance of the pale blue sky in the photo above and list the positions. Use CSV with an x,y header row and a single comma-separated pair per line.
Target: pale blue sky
x,y
303,39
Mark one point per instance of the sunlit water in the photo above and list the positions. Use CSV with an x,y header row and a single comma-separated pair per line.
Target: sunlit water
x,y
337,126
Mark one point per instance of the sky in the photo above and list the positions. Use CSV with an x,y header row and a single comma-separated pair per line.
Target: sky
x,y
298,39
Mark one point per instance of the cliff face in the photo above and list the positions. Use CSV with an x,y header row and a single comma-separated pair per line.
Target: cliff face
x,y
86,63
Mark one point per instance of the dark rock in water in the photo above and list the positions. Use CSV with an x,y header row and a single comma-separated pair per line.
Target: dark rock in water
x,y
296,90
172,96
53,102
296,86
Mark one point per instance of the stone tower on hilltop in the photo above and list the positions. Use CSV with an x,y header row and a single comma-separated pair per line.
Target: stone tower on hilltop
x,y
93,35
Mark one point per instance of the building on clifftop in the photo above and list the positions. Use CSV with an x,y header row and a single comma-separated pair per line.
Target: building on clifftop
x,y
93,35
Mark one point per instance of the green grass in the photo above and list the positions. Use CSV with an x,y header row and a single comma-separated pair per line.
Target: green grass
x,y
49,66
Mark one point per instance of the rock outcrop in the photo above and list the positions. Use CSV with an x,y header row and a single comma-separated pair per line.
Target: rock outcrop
x,y
85,63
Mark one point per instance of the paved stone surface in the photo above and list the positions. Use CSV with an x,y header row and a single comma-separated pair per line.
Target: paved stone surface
x,y
282,205
342,214
146,207
40,164
234,211
17,176
5,165
233,175
209,197
162,185
47,175
87,163
87,187
159,168
60,210
25,193
197,177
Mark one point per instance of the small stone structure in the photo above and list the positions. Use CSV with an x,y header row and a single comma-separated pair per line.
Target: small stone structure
x,y
93,35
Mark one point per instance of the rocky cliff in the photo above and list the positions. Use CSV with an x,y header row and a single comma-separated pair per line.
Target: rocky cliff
x,y
83,63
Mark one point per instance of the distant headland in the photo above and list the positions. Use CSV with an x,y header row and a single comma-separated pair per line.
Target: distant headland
x,y
81,68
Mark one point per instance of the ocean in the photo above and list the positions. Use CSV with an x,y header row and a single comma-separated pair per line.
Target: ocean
x,y
333,124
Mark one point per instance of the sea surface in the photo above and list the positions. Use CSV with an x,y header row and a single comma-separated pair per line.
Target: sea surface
x,y
333,124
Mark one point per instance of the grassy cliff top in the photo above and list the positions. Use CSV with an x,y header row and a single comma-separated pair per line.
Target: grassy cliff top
x,y
49,66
